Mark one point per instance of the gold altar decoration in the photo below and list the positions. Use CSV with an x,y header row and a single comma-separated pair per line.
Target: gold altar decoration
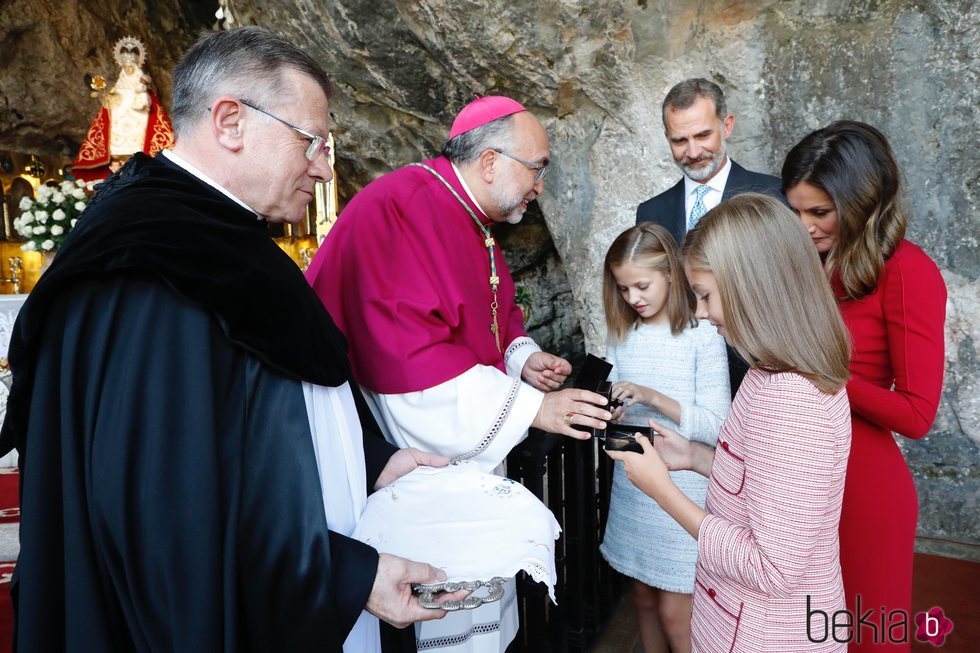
x,y
19,270
326,198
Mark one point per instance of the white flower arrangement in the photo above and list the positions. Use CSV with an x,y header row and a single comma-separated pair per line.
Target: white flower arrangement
x,y
46,220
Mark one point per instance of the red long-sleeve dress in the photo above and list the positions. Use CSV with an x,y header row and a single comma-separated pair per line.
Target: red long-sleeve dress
x,y
897,335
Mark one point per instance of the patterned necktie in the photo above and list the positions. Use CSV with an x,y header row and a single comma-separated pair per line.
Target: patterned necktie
x,y
699,209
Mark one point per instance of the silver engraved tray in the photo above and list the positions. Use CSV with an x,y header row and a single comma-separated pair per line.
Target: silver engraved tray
x,y
427,594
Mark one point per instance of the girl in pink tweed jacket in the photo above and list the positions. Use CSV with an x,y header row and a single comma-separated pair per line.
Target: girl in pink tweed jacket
x,y
768,573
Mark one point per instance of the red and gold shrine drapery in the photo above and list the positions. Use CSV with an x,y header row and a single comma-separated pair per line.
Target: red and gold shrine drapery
x,y
92,162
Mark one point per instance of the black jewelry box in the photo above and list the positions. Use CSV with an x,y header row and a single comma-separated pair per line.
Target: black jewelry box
x,y
615,437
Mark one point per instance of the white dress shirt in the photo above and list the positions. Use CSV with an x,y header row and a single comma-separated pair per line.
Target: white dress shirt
x,y
713,197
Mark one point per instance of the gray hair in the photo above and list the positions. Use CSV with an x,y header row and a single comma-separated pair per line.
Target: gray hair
x,y
247,62
469,145
686,93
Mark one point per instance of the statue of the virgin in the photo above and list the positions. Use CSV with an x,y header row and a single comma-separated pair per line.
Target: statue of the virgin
x,y
130,120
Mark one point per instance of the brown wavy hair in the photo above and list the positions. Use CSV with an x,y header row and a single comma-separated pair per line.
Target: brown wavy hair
x,y
780,313
647,245
853,163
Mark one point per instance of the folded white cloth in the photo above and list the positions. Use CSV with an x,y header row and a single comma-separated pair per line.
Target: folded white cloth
x,y
472,525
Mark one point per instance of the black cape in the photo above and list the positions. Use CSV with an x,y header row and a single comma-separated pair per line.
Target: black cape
x,y
170,499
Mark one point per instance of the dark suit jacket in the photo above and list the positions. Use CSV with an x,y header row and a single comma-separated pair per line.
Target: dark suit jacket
x,y
668,210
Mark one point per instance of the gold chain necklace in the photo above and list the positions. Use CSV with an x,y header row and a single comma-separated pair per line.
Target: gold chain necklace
x,y
488,242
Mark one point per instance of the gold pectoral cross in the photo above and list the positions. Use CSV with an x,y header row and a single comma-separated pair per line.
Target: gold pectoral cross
x,y
488,242
495,326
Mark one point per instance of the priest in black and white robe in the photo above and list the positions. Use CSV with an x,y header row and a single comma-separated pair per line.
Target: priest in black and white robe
x,y
193,453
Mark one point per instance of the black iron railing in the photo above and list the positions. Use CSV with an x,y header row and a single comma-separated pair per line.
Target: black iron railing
x,y
573,479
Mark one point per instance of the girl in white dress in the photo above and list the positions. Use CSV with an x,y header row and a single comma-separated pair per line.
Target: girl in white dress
x,y
668,367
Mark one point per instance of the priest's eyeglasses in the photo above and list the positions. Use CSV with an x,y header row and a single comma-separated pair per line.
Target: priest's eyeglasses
x,y
318,144
540,171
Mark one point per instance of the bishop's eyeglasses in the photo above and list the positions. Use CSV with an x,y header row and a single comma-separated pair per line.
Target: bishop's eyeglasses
x,y
539,170
317,143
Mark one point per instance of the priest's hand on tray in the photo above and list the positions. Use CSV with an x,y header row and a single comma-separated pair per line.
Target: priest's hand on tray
x,y
571,412
545,371
405,460
391,598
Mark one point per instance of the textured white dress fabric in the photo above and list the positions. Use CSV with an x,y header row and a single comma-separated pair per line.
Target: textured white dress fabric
x,y
641,540
453,419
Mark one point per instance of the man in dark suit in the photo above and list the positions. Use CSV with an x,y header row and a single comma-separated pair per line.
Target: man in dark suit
x,y
697,125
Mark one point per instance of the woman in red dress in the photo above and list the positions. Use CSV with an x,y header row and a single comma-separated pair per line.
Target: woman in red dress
x,y
844,184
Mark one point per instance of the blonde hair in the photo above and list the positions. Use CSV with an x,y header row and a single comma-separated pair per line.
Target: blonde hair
x,y
650,246
780,312
853,163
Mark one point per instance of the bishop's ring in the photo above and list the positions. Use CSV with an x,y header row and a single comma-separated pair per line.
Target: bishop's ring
x,y
568,417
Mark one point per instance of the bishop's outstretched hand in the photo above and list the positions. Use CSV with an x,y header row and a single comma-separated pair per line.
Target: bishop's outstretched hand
x,y
562,411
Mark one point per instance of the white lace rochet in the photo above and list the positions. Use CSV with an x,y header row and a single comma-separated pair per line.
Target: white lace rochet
x,y
472,525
